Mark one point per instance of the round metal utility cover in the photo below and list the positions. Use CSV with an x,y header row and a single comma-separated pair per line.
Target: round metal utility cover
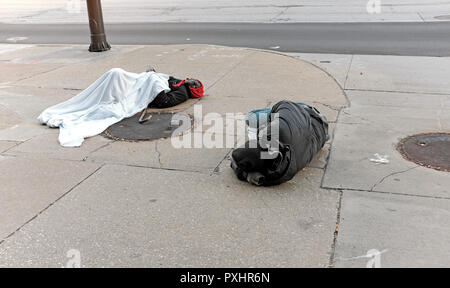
x,y
129,129
431,150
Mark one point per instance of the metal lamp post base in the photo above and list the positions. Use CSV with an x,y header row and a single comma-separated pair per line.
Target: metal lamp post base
x,y
98,37
99,44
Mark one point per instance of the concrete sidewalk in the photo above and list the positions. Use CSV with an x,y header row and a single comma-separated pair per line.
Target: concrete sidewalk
x,y
400,208
148,204
255,11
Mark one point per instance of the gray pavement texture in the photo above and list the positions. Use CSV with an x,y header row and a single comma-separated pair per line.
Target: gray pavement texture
x,y
261,11
399,208
148,204
413,231
401,38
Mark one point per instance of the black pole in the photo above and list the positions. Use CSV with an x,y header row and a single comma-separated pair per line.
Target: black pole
x,y
98,37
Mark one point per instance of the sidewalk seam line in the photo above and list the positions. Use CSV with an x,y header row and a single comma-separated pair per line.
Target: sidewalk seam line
x,y
386,192
51,204
229,71
38,74
348,72
336,231
15,145
393,91
149,167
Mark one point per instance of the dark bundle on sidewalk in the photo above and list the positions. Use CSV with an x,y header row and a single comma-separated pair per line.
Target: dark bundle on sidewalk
x,y
302,133
180,91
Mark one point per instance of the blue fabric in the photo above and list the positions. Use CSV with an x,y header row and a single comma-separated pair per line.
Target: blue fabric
x,y
253,116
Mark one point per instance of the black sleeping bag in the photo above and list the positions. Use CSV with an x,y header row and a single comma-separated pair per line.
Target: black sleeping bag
x,y
302,133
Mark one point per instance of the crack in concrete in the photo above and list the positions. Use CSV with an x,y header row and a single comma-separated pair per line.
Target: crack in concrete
x,y
37,74
41,13
97,149
101,162
420,16
229,71
156,168
395,91
355,116
274,19
385,192
330,106
348,72
351,123
169,10
336,231
390,175
16,143
19,85
159,154
216,169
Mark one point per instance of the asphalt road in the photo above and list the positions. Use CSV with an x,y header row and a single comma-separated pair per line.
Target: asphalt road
x,y
415,39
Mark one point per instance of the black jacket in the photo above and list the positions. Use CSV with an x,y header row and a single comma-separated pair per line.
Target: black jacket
x,y
302,133
177,95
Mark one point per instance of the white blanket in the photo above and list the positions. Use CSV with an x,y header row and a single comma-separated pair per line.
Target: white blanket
x,y
116,95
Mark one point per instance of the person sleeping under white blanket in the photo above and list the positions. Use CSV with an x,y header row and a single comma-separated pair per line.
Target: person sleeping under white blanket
x,y
116,95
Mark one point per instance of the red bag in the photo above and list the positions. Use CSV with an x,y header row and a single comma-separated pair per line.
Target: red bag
x,y
195,92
